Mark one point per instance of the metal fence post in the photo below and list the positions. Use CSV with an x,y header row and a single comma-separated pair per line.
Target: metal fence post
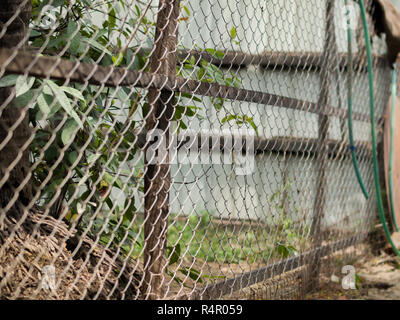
x,y
322,146
157,175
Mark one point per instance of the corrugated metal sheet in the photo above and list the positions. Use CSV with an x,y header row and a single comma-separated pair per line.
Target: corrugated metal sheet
x,y
290,26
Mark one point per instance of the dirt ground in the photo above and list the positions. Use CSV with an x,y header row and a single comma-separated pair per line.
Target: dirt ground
x,y
379,279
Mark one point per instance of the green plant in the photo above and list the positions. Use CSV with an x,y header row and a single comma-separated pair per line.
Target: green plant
x,y
288,236
81,141
205,238
358,281
173,256
84,144
285,250
174,250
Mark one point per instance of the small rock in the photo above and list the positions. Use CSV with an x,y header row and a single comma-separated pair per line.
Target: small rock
x,y
335,278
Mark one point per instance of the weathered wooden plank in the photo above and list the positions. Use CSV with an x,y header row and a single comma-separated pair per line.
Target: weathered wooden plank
x,y
157,176
278,60
330,52
57,68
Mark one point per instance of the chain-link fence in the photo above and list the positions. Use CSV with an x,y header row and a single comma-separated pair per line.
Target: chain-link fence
x,y
181,149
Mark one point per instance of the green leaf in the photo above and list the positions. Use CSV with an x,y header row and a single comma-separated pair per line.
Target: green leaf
x,y
47,105
173,276
122,95
97,46
71,29
190,111
190,96
274,195
72,34
34,33
23,84
109,202
233,33
9,80
137,10
230,82
43,103
282,251
73,92
105,239
108,178
217,54
76,47
239,119
118,183
182,125
24,99
358,281
250,121
118,59
173,253
186,10
128,215
193,274
218,103
93,157
64,101
126,248
69,131
213,72
111,18
72,156
286,250
201,74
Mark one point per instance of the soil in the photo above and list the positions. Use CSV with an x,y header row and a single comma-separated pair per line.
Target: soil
x,y
24,254
379,279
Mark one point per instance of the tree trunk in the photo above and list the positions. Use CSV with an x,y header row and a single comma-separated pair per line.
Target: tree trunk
x,y
15,186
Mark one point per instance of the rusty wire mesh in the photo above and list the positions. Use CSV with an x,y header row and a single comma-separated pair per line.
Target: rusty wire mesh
x,y
180,149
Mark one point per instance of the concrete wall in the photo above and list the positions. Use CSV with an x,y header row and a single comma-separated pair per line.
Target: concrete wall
x,y
274,26
281,26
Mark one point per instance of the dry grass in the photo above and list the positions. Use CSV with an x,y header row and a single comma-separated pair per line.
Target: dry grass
x,y
80,273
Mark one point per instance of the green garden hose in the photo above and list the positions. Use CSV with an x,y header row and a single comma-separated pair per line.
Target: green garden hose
x,y
372,115
391,155
350,108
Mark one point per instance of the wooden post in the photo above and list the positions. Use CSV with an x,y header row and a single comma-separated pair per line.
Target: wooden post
x,y
14,121
322,146
157,175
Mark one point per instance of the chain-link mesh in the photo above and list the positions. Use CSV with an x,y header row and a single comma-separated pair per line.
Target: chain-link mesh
x,y
181,149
